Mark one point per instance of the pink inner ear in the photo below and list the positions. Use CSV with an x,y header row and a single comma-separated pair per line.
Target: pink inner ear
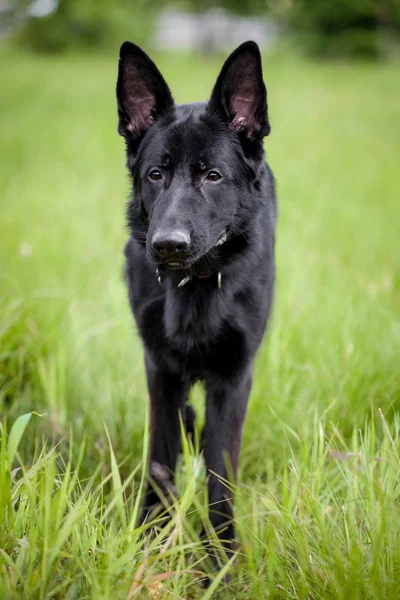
x,y
244,119
141,117
243,109
244,104
138,100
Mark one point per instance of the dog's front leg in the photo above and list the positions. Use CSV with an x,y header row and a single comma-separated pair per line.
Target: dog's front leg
x,y
225,415
168,394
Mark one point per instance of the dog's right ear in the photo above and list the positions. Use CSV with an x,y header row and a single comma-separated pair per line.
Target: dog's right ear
x,y
142,93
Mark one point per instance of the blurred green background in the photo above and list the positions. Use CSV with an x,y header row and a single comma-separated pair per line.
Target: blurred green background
x,y
359,28
68,344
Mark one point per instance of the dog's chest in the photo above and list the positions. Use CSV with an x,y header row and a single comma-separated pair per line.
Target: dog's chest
x,y
193,317
205,336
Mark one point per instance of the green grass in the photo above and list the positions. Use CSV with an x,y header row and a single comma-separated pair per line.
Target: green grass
x,y
318,513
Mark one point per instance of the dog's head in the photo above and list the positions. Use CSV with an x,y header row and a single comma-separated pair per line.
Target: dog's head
x,y
194,166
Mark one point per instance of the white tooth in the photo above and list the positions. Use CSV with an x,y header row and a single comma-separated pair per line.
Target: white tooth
x,y
222,239
184,281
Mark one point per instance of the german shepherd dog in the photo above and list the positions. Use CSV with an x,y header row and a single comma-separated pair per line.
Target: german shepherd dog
x,y
200,262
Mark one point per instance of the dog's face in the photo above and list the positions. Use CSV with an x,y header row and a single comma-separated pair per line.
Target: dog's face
x,y
193,166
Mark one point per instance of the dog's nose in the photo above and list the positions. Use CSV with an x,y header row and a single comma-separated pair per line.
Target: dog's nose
x,y
170,242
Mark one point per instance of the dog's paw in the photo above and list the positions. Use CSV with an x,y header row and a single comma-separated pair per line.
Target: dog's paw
x,y
159,497
163,480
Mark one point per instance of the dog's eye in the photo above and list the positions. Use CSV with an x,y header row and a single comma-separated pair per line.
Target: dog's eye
x,y
155,175
213,176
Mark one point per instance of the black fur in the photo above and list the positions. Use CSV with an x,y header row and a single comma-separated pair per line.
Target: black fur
x,y
203,203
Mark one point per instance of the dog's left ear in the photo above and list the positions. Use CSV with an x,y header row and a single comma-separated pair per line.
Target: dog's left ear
x,y
239,95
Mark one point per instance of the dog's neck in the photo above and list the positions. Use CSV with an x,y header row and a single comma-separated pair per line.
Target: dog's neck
x,y
183,279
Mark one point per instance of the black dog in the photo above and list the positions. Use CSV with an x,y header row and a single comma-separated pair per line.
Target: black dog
x,y
200,259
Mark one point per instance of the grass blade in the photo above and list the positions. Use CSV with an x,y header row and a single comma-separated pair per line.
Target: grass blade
x,y
16,433
117,484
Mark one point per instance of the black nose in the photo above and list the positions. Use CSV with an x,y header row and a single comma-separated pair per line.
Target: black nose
x,y
170,242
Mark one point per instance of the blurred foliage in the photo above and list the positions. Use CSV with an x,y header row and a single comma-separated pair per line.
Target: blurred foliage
x,y
342,28
325,28
239,7
83,23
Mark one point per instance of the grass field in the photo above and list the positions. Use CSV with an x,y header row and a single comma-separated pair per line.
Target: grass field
x,y
318,501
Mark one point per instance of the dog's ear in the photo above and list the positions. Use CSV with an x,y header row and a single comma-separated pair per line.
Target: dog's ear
x,y
142,93
239,95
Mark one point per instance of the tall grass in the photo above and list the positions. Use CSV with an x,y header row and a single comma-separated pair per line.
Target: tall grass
x,y
317,507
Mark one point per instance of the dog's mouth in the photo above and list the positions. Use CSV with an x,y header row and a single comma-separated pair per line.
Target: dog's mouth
x,y
177,263
182,265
